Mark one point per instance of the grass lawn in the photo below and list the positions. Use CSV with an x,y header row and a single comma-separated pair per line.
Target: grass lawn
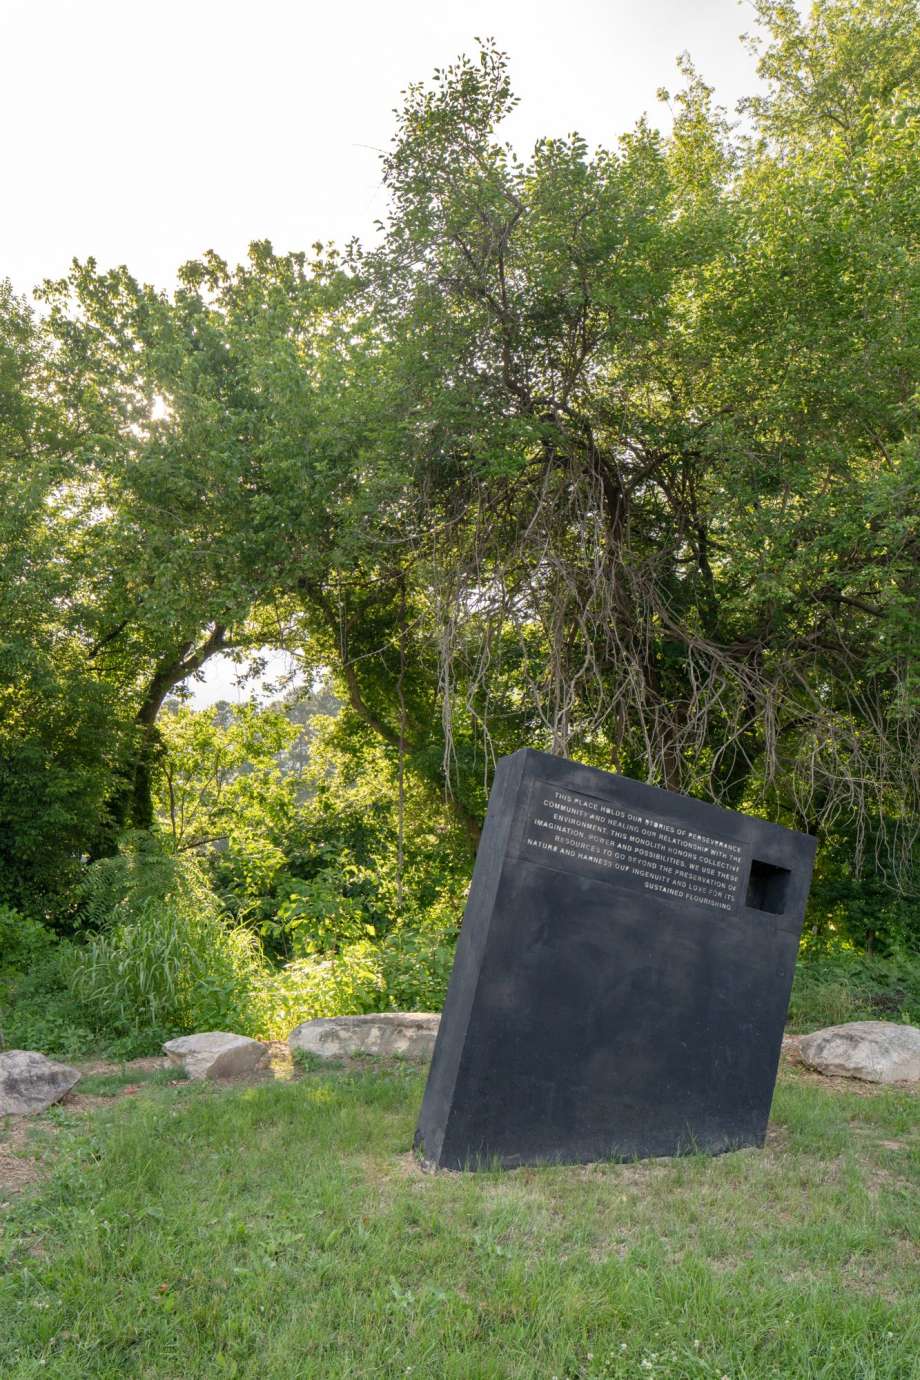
x,y
282,1230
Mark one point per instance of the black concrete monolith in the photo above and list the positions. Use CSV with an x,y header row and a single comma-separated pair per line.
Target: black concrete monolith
x,y
621,978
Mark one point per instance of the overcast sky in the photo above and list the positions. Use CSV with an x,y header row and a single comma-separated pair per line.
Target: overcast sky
x,y
144,133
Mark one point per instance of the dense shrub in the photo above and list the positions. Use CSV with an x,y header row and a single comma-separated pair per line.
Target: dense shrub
x,y
415,968
832,988
853,903
40,1012
164,958
23,942
37,1008
160,957
408,971
172,970
344,984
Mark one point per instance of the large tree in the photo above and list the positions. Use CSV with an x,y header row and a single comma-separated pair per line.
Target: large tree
x,y
658,416
58,736
613,453
175,466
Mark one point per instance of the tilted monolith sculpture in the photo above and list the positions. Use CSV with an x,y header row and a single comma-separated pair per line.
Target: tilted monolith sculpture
x,y
621,978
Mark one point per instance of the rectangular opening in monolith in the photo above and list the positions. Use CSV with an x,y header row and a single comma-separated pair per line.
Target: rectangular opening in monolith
x,y
767,887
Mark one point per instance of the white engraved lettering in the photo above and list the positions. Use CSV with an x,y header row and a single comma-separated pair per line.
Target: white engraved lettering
x,y
666,858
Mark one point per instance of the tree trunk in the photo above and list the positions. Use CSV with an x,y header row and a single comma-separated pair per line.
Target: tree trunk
x,y
130,805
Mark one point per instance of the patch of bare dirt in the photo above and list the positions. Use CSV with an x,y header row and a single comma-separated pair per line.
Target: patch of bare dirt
x,y
89,1068
777,1137
17,1168
86,1102
277,1067
409,1166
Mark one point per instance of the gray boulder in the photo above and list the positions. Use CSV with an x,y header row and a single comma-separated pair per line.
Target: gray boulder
x,y
29,1082
410,1034
876,1051
215,1054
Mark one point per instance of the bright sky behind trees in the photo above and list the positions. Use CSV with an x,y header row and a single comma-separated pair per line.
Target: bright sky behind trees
x,y
146,133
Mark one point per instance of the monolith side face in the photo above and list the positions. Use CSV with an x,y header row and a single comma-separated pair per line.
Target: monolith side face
x,y
621,978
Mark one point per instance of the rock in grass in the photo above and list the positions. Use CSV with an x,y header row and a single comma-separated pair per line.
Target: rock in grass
x,y
215,1054
410,1034
876,1051
29,1082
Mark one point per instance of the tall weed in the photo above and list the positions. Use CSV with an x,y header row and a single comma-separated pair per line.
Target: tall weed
x,y
165,957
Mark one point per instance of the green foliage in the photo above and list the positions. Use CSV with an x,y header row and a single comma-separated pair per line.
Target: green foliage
x,y
853,904
156,461
344,984
166,959
40,1012
116,889
218,779
664,509
415,967
60,729
610,452
37,1009
323,873
171,971
408,971
832,988
330,912
24,943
